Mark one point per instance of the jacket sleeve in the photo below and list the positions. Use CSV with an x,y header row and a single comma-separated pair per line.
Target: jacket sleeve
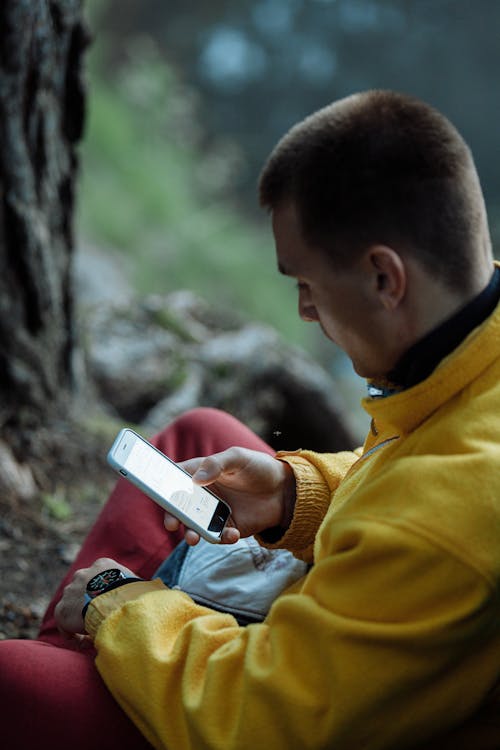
x,y
377,650
317,476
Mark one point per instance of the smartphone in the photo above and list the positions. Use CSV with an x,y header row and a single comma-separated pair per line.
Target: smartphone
x,y
168,485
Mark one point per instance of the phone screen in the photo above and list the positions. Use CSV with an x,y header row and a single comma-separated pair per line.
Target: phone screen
x,y
169,481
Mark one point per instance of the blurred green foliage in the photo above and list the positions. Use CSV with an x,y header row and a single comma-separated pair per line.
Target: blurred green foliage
x,y
259,66
151,189
56,506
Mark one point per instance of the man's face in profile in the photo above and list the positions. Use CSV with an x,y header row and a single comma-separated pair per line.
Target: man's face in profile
x,y
339,300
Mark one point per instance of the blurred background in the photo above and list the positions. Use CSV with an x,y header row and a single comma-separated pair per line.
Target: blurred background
x,y
186,100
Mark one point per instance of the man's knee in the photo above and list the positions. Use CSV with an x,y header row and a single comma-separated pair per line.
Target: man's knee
x,y
205,430
199,419
198,432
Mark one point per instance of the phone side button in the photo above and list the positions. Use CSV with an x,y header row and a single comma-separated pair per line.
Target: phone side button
x,y
122,471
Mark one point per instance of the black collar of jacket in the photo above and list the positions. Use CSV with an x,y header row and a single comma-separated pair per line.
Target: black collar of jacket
x,y
424,356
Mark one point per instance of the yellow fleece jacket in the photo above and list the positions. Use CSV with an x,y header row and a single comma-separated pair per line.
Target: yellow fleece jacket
x,y
392,640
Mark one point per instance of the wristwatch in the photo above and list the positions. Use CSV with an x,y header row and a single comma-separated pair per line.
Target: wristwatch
x,y
103,582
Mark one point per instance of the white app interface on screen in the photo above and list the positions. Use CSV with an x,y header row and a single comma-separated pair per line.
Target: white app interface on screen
x,y
165,479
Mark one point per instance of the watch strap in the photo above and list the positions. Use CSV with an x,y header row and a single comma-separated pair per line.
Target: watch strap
x,y
116,584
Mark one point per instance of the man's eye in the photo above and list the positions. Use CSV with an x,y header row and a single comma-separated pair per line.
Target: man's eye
x,y
301,285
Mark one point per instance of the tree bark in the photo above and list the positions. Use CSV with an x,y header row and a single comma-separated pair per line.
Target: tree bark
x,y
42,107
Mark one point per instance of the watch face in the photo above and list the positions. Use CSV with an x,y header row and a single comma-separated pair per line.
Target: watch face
x,y
100,581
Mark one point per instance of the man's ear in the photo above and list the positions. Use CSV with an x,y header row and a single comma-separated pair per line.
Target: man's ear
x,y
388,272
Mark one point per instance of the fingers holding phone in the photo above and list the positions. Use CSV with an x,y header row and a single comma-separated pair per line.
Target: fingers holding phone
x,y
259,489
230,534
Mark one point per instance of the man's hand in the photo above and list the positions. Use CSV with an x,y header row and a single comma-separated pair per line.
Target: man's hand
x,y
68,612
259,488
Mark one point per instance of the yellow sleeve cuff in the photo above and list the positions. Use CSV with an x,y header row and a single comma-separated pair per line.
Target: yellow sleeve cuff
x,y
103,605
312,502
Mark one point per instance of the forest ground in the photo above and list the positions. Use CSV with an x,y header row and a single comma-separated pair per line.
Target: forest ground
x,y
38,542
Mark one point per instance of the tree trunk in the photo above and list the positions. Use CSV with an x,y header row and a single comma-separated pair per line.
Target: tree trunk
x,y
41,120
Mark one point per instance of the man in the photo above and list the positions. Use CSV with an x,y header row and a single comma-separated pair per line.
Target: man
x,y
392,638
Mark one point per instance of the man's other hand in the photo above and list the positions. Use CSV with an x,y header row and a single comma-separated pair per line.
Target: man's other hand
x,y
68,612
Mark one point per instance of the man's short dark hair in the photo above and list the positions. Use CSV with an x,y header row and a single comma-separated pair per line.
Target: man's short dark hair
x,y
382,167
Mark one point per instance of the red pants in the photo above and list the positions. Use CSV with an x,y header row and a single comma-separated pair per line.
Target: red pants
x,y
51,695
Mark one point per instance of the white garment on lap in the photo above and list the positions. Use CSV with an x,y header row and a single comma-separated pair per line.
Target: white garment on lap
x,y
243,578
